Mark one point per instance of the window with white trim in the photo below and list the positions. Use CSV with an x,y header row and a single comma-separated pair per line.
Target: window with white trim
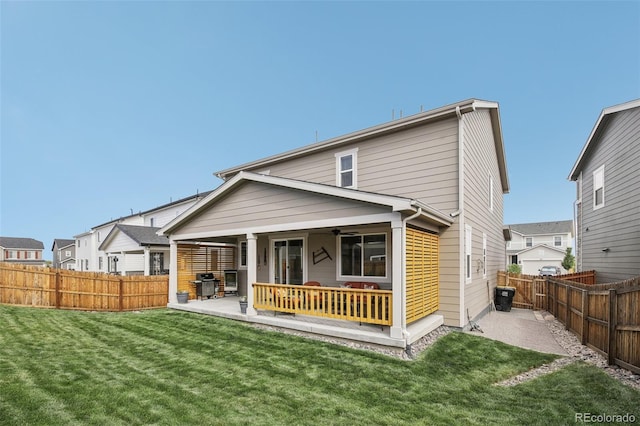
x,y
363,256
467,253
598,188
557,241
484,255
346,169
243,254
528,242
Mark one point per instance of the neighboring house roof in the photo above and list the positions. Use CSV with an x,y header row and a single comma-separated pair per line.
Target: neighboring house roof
x,y
62,243
394,202
21,243
537,246
172,203
141,235
424,117
543,228
601,123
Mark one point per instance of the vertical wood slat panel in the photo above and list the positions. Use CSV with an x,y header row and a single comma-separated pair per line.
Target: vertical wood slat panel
x,y
422,276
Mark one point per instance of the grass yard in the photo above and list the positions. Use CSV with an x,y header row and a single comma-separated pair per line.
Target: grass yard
x,y
178,368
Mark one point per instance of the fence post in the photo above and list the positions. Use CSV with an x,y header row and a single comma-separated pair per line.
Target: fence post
x,y
57,294
566,307
585,315
533,294
120,295
613,323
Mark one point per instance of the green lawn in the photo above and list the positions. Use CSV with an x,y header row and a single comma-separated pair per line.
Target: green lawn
x,y
169,367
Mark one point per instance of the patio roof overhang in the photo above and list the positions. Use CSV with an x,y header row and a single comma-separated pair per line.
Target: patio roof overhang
x,y
394,208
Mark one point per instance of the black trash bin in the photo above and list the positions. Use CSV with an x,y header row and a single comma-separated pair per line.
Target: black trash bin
x,y
504,298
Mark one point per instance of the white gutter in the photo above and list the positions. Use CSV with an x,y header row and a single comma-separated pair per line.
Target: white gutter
x,y
404,270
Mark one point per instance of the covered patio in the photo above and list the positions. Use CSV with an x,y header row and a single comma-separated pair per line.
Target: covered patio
x,y
315,258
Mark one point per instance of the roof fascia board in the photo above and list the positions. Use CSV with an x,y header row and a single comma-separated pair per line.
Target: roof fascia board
x,y
412,120
395,203
293,226
573,175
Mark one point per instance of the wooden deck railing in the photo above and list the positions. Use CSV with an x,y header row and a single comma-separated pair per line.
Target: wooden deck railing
x,y
367,306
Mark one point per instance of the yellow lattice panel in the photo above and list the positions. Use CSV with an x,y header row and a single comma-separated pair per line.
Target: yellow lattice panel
x,y
422,264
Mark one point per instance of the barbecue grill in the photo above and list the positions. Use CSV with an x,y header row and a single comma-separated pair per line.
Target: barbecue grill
x,y
206,285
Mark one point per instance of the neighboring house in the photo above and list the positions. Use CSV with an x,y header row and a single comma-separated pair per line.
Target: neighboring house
x,y
26,251
136,250
607,206
534,245
64,254
414,205
90,253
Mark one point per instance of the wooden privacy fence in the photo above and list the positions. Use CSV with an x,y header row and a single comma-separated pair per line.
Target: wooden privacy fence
x,y
606,317
90,291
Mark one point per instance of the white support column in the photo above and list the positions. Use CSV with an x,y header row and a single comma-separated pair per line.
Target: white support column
x,y
147,261
398,325
252,270
173,272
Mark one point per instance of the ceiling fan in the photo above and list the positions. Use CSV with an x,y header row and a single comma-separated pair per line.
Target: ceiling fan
x,y
336,232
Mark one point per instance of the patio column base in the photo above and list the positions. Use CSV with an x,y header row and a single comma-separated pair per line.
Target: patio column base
x,y
396,333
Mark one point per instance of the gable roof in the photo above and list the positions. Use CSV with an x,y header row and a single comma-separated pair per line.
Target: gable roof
x,y
601,123
394,202
447,111
141,235
543,228
61,243
21,243
196,196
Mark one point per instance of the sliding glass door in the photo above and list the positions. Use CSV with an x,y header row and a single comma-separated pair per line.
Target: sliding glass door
x,y
288,261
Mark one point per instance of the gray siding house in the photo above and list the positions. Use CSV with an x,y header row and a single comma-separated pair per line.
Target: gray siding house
x,y
607,206
64,254
414,206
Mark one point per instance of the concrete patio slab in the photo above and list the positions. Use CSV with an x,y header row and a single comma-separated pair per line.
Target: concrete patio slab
x,y
519,327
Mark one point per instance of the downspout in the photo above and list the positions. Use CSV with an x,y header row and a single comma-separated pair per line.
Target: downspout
x,y
459,212
404,270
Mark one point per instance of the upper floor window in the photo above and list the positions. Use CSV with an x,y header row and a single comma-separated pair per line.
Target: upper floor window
x,y
528,242
363,255
151,221
30,255
13,254
346,169
67,253
557,241
598,188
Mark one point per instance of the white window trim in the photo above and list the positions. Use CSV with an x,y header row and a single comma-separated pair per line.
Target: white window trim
x,y
354,161
554,241
599,170
484,255
467,254
246,247
525,242
340,277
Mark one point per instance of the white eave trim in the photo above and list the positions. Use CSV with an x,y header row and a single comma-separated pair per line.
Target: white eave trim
x,y
397,204
607,111
447,110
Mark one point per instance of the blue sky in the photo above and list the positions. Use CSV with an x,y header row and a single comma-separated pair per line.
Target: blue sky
x,y
108,107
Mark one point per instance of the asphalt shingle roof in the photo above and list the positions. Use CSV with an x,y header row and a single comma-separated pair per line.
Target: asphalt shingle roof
x,y
144,235
21,243
543,228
